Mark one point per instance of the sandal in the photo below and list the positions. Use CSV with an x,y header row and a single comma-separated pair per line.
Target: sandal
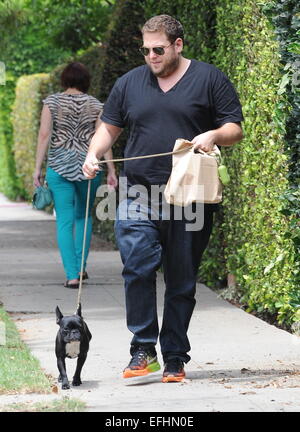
x,y
84,275
74,286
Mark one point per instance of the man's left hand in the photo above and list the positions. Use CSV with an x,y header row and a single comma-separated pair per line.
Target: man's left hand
x,y
205,141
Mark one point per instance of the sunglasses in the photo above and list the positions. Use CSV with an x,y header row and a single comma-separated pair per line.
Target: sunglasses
x,y
157,50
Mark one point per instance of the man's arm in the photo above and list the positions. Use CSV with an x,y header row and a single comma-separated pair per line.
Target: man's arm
x,y
226,135
100,144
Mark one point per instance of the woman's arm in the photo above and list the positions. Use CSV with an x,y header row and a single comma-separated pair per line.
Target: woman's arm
x,y
43,140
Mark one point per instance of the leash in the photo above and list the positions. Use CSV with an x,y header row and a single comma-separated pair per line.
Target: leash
x,y
84,241
144,157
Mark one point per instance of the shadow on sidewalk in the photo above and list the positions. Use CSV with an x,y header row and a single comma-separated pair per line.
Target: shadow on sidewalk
x,y
255,378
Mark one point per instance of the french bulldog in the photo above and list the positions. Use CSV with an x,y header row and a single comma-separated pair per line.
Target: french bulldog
x,y
72,341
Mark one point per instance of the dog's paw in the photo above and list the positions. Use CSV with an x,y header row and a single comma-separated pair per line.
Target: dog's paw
x,y
76,382
65,386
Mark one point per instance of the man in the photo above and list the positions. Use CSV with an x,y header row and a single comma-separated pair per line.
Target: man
x,y
168,98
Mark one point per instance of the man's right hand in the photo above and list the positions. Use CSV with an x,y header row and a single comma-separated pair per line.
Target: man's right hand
x,y
101,143
90,167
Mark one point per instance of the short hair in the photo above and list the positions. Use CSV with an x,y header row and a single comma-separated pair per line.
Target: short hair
x,y
76,75
167,24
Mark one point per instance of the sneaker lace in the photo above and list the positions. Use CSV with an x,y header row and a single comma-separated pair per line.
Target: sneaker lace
x,y
138,357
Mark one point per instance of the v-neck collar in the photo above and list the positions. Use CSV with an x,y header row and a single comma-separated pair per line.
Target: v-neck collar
x,y
155,80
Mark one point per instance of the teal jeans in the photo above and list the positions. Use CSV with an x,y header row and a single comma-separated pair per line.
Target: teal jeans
x,y
70,205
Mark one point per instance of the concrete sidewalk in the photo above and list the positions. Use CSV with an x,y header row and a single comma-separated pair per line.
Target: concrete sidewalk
x,y
239,363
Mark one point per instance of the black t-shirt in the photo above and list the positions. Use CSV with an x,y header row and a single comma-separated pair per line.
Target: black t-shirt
x,y
203,99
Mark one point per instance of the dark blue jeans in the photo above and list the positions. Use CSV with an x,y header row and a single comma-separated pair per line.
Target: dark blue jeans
x,y
145,245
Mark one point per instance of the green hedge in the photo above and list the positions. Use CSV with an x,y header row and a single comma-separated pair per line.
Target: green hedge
x,y
285,16
30,91
9,184
257,249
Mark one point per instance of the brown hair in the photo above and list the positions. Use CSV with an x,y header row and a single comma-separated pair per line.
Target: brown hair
x,y
76,75
164,23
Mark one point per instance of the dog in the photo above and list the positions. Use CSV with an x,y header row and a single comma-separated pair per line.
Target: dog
x,y
72,341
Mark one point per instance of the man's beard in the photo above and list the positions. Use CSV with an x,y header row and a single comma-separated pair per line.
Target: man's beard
x,y
168,69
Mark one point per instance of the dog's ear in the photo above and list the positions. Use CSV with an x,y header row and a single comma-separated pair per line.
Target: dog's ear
x,y
78,312
59,315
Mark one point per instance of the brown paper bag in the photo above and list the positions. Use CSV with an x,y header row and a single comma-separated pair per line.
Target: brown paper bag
x,y
194,176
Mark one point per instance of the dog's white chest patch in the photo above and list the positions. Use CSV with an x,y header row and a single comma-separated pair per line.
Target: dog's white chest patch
x,y
72,349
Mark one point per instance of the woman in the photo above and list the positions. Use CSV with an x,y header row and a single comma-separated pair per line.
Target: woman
x,y
69,120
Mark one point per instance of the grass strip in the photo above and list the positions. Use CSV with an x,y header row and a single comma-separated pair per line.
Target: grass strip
x,y
64,404
20,372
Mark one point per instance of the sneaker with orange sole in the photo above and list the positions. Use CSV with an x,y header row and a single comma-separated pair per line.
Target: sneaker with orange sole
x,y
174,371
142,363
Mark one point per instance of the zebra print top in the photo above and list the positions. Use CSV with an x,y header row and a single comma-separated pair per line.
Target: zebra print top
x,y
73,125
